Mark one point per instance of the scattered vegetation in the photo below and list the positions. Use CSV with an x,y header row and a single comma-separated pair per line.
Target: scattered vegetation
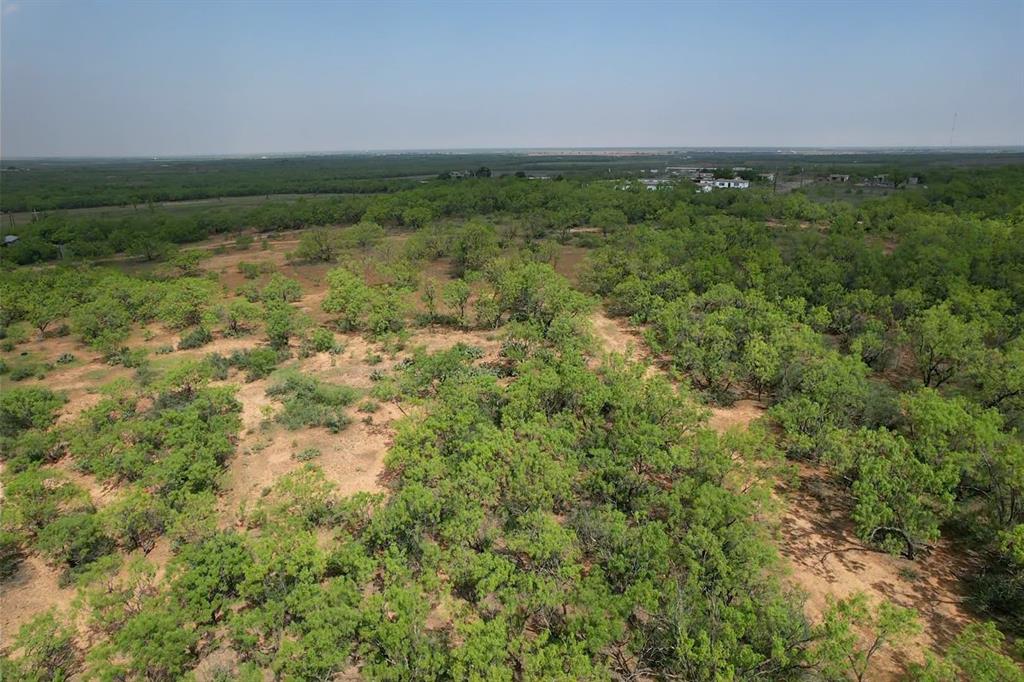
x,y
550,511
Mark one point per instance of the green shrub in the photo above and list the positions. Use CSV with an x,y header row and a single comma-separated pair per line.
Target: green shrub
x,y
11,554
74,540
309,402
30,447
198,337
307,454
219,366
46,648
27,408
25,371
257,362
127,357
322,339
282,289
136,519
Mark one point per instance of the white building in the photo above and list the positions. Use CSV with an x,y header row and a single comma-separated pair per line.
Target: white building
x,y
723,183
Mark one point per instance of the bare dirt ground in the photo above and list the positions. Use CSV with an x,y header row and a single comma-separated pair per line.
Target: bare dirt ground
x,y
818,540
616,336
34,589
739,415
352,459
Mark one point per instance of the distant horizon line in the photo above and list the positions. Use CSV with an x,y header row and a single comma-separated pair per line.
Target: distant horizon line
x,y
663,149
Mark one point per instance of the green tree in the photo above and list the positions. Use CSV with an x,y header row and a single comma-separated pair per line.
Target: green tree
x,y
150,247
363,236
319,244
348,297
45,305
187,262
609,220
187,302
429,298
282,322
840,651
282,289
417,217
456,294
900,499
473,246
239,316
976,654
102,323
944,345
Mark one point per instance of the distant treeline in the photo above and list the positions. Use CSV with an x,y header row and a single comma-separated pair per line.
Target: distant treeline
x,y
543,208
56,184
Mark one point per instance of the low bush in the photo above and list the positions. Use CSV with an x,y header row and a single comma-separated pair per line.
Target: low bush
x,y
322,340
307,454
26,408
197,338
310,402
257,363
11,554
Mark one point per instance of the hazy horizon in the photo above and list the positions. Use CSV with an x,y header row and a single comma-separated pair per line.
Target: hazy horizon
x,y
138,80
850,150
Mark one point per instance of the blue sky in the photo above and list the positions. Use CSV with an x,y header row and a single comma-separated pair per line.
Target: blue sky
x,y
162,78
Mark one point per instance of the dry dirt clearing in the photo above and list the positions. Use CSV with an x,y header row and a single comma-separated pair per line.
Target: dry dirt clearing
x,y
818,539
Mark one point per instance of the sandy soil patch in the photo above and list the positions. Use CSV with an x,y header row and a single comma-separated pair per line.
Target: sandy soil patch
x,y
818,539
615,335
100,493
739,415
32,590
441,338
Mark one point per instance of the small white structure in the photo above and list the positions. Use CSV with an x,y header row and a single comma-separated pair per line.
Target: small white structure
x,y
655,183
706,185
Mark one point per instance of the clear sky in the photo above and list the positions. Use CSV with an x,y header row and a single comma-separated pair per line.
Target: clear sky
x,y
160,78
